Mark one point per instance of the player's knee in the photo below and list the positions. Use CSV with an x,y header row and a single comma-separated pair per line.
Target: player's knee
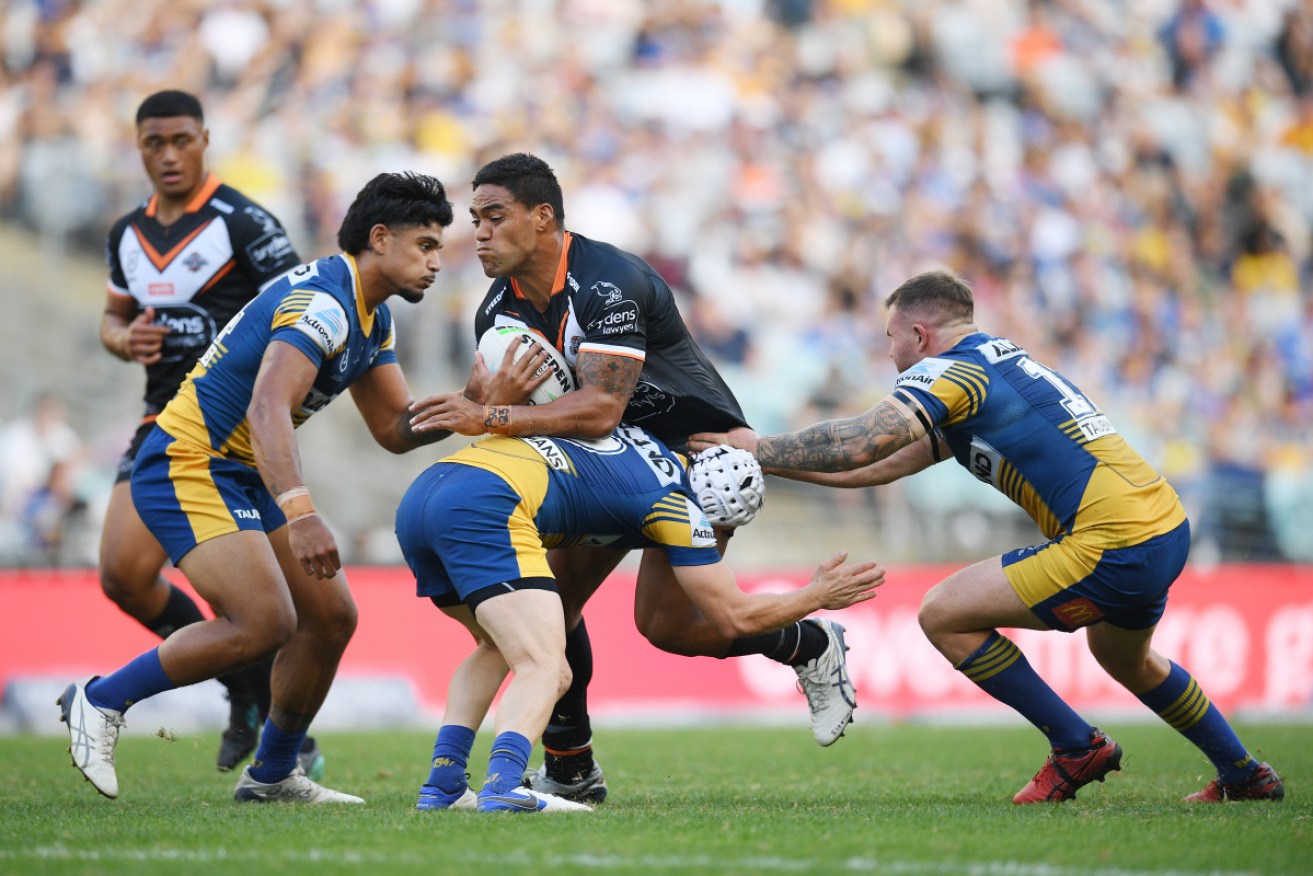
x,y
933,615
339,622
564,678
120,582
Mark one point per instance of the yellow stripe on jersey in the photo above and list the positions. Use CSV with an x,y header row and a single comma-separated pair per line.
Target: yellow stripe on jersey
x,y
1125,502
1189,708
514,461
962,389
182,417
668,522
292,308
997,657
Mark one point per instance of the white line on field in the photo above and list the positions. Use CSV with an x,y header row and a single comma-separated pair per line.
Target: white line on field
x,y
772,864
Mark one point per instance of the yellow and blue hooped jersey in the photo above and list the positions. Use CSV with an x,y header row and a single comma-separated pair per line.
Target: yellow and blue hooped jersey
x,y
316,308
626,490
1035,437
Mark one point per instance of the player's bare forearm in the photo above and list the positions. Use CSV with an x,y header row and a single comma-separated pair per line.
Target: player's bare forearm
x,y
911,459
839,445
592,411
409,439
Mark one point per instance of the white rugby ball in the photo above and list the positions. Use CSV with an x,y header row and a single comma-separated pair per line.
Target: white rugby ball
x,y
493,346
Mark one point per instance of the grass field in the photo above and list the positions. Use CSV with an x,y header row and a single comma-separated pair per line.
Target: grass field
x,y
890,799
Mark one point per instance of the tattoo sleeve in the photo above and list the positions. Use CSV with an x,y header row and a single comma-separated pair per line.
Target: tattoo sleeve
x,y
615,375
839,445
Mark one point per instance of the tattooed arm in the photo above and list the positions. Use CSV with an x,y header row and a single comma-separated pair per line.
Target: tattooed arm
x,y
843,445
605,384
867,447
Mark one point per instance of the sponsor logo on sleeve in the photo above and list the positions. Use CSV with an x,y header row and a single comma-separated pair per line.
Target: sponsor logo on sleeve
x,y
617,322
266,252
324,321
923,374
700,527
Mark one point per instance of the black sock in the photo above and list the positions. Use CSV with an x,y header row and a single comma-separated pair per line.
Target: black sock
x,y
567,741
179,611
793,645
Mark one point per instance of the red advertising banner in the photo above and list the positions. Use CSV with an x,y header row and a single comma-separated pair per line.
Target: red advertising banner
x,y
1246,632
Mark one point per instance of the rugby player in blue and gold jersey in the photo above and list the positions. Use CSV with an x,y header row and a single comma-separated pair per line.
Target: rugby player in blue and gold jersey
x,y
475,529
180,265
1118,536
218,483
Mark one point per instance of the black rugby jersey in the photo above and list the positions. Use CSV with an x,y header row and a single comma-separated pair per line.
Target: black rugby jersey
x,y
196,273
605,300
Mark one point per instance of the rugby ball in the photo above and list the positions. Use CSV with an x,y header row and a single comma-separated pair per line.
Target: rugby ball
x,y
493,346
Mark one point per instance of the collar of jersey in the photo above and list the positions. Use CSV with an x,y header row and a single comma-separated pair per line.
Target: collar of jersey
x,y
366,315
202,196
562,269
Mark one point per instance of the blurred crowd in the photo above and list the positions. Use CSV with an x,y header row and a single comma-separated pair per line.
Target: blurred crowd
x,y
1127,185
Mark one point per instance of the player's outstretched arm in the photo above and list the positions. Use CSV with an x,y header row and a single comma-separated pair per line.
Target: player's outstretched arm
x,y
383,399
735,614
834,445
915,457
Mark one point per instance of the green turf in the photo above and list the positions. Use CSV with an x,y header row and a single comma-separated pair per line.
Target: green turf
x,y
891,799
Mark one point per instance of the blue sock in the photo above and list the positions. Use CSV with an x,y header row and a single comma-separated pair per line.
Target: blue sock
x,y
1180,702
1000,669
276,757
451,753
510,755
142,678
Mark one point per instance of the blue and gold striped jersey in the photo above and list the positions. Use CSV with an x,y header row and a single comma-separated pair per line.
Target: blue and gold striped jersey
x,y
627,490
316,308
1035,437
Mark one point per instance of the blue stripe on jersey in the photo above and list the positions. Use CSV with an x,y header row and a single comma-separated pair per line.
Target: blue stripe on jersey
x,y
210,408
1033,435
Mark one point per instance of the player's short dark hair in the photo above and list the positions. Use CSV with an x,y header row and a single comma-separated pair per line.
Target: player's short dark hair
x,y
397,200
529,180
935,292
167,104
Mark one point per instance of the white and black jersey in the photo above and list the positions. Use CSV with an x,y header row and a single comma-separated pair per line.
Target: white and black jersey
x,y
606,300
196,273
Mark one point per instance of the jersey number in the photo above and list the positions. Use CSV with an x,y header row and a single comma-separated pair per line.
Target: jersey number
x,y
1076,404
